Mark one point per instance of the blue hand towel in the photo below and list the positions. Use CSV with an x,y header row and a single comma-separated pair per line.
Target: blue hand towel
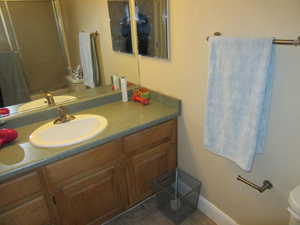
x,y
239,96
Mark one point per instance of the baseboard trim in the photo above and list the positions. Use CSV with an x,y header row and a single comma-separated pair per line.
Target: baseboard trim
x,y
214,213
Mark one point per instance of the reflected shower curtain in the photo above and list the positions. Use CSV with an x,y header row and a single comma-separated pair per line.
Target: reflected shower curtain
x,y
13,85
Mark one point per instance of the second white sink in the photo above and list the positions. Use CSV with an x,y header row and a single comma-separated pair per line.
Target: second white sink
x,y
84,127
40,103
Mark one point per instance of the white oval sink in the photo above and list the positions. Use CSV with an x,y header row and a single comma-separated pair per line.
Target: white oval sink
x,y
40,103
84,127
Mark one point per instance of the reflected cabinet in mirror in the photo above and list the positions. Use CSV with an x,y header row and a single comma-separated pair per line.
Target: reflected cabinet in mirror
x,y
61,48
152,27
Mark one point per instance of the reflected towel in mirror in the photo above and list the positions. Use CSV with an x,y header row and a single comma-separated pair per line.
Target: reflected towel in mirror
x,y
89,60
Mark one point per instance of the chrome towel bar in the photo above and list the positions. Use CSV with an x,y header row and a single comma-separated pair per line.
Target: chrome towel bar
x,y
275,41
96,33
266,184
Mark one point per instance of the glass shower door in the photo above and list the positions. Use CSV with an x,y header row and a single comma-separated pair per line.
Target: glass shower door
x,y
4,44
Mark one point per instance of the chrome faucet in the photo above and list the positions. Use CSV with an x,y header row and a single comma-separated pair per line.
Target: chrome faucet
x,y
49,98
63,116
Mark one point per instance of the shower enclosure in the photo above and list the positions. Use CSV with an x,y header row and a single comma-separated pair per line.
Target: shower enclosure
x,y
33,30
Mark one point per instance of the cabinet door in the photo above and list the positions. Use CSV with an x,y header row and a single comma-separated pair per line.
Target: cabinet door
x,y
34,212
147,166
18,189
91,200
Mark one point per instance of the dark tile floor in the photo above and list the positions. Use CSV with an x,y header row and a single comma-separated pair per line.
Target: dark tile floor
x,y
148,214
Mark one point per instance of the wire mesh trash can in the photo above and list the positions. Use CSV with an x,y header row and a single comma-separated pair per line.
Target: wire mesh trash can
x,y
177,195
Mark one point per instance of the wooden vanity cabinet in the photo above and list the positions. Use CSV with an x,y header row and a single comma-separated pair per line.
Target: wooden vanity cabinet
x,y
23,201
90,200
151,153
91,187
33,212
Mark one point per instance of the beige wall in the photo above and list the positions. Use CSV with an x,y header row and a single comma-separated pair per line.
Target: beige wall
x,y
185,77
91,16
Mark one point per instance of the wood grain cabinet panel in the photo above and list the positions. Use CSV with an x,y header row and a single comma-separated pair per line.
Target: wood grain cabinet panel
x,y
144,168
34,212
84,162
148,166
91,200
93,186
149,136
156,154
17,189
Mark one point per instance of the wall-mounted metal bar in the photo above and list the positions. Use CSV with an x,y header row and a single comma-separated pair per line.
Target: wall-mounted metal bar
x,y
275,41
215,34
96,33
266,184
287,42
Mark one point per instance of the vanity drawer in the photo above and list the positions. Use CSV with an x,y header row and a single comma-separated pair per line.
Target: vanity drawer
x,y
20,188
33,212
149,136
84,162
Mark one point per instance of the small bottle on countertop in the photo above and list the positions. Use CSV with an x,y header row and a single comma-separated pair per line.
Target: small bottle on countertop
x,y
123,84
115,82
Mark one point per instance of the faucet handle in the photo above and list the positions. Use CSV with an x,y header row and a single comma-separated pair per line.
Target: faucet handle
x,y
62,111
49,98
63,115
44,92
47,93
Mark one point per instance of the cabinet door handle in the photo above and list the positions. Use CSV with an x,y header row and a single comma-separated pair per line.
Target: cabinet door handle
x,y
54,200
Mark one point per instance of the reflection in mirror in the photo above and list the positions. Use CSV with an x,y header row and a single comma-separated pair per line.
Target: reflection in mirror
x,y
58,46
152,27
120,26
32,56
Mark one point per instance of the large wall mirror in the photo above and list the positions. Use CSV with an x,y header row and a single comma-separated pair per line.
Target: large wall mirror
x,y
152,18
61,46
152,27
120,25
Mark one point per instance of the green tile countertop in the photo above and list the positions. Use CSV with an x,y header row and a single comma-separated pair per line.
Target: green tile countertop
x,y
123,119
